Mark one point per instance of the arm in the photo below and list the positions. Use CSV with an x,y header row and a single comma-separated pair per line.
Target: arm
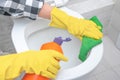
x,y
21,8
45,11
38,62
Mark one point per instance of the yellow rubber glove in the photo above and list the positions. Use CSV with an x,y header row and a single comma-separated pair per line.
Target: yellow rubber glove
x,y
75,26
39,62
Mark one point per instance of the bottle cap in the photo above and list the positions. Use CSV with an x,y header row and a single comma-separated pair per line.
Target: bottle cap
x,y
59,40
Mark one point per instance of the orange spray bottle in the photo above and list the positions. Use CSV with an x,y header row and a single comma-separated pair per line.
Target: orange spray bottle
x,y
55,45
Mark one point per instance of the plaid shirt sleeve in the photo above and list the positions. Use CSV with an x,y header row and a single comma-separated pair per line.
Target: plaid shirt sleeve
x,y
21,8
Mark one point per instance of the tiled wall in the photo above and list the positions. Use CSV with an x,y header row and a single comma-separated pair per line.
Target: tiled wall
x,y
74,2
118,42
114,26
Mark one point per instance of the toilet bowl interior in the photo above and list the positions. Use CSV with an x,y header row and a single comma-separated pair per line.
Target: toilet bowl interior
x,y
38,33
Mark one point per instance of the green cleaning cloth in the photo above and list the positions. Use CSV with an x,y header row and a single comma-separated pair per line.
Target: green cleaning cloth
x,y
89,43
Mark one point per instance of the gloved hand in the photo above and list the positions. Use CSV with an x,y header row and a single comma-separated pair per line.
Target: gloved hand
x,y
39,62
75,26
89,43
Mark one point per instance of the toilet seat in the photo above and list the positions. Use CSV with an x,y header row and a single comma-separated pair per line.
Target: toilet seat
x,y
65,74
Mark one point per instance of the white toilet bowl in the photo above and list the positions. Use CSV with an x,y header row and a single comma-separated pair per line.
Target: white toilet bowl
x,y
28,34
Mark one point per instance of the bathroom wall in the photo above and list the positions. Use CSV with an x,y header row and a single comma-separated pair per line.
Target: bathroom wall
x,y
118,42
113,30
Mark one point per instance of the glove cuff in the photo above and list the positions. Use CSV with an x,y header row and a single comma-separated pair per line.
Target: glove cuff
x,y
58,18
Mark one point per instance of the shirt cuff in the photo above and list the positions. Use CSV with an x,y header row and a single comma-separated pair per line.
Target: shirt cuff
x,y
32,8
